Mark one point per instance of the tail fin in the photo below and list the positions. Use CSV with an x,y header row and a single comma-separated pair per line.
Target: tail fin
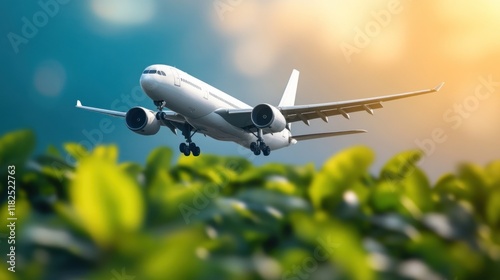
x,y
288,98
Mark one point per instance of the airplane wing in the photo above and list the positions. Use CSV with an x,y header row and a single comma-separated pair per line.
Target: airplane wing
x,y
308,112
241,117
169,119
102,111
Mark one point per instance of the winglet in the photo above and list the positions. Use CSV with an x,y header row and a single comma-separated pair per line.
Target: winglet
x,y
78,103
438,87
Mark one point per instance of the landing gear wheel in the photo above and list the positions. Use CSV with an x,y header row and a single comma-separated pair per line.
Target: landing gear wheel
x,y
253,147
196,151
266,151
192,146
189,147
182,147
187,151
262,146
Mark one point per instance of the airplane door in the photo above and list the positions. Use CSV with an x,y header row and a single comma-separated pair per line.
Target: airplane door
x,y
177,80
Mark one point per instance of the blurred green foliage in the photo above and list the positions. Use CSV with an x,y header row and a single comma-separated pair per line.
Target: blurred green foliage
x,y
213,217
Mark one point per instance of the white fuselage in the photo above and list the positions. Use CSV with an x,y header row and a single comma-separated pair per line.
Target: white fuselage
x,y
197,102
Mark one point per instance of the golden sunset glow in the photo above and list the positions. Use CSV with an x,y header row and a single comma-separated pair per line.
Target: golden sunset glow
x,y
379,48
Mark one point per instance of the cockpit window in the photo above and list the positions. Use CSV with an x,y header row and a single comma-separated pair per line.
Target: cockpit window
x,y
147,71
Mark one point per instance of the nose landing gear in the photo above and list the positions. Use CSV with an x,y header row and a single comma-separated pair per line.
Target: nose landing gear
x,y
189,147
160,104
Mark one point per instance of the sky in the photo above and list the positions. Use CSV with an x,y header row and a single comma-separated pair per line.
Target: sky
x,y
57,51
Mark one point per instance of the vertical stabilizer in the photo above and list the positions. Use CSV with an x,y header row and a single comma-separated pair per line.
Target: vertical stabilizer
x,y
288,98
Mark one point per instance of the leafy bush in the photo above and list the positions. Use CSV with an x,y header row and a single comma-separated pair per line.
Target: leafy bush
x,y
215,217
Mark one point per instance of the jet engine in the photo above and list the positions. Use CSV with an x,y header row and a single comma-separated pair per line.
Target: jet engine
x,y
142,121
268,118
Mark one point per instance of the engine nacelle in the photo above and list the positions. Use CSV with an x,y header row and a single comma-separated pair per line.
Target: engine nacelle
x,y
268,118
143,121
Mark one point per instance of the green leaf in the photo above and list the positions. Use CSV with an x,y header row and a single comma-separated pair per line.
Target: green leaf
x,y
157,171
16,147
432,250
158,159
107,201
292,180
477,182
493,208
134,170
401,165
108,153
386,196
336,242
450,186
338,174
53,152
5,274
473,175
277,200
448,259
408,181
55,167
207,160
210,169
417,193
493,172
178,255
75,150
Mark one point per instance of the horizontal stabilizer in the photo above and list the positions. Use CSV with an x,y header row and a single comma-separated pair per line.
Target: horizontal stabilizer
x,y
327,134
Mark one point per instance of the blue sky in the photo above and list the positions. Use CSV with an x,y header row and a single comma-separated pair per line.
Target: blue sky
x,y
96,50
99,61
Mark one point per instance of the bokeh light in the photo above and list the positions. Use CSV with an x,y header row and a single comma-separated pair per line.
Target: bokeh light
x,y
124,12
50,78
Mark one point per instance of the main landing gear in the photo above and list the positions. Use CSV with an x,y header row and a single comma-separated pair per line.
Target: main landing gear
x,y
189,147
259,146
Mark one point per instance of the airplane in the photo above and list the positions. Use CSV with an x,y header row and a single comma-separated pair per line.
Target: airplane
x,y
197,107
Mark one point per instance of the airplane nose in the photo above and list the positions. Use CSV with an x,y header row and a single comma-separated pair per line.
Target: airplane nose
x,y
148,82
